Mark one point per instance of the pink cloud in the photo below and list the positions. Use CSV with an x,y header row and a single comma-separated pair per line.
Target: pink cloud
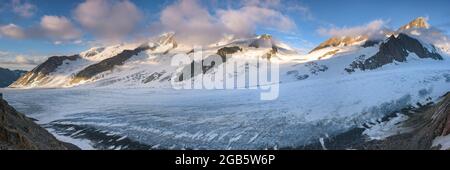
x,y
109,20
193,23
59,28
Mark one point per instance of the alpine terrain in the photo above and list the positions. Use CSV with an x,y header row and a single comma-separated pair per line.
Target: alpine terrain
x,y
350,92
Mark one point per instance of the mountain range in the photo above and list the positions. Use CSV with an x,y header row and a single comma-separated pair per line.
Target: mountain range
x,y
370,88
148,64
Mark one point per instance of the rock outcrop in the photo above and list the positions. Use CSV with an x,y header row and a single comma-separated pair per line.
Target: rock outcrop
x,y
223,52
426,126
18,132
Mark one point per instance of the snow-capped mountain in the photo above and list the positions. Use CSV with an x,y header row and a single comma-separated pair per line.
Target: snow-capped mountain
x,y
148,64
134,64
419,22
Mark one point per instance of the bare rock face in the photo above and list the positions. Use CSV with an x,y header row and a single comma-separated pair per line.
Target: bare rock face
x,y
395,49
40,72
17,132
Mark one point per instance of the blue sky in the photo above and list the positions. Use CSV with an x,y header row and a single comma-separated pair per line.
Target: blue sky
x,y
32,30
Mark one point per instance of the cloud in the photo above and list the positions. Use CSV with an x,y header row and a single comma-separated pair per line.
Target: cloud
x,y
23,9
195,24
304,11
12,31
53,28
23,62
262,3
59,28
3,53
370,29
245,20
20,59
191,22
110,20
294,7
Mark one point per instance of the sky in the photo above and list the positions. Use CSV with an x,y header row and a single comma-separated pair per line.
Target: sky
x,y
33,30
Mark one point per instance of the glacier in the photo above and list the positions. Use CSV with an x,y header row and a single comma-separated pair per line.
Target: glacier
x,y
305,111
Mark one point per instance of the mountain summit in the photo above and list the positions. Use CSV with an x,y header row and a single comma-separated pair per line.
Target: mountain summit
x,y
419,22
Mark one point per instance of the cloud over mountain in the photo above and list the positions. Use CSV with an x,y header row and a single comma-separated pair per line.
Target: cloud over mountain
x,y
19,61
194,23
109,20
372,28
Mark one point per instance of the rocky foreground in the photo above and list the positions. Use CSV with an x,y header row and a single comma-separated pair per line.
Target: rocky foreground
x,y
18,132
424,125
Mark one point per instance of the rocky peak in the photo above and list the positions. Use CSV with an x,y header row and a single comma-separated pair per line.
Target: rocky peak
x,y
167,38
395,48
419,22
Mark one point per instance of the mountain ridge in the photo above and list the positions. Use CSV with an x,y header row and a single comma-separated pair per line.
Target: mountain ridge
x,y
335,41
7,76
133,64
